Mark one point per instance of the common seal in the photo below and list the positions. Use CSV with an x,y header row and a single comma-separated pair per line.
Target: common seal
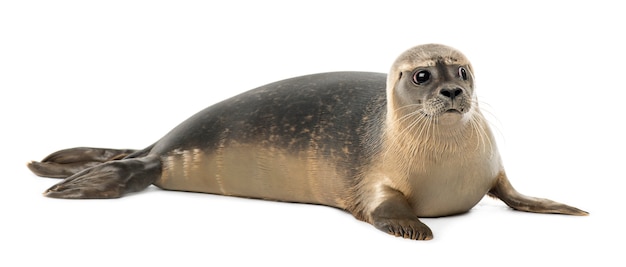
x,y
386,148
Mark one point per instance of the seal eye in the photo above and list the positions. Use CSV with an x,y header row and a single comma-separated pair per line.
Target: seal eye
x,y
421,76
463,73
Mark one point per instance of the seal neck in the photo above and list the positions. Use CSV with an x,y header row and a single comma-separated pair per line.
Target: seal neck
x,y
417,134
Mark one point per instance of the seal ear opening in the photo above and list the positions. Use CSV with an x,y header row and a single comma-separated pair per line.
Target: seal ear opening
x,y
393,82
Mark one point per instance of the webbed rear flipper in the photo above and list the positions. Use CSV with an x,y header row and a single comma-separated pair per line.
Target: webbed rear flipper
x,y
111,179
67,162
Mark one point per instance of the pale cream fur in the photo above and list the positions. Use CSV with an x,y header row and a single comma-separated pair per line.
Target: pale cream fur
x,y
411,160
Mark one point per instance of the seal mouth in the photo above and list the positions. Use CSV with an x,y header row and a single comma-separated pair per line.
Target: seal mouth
x,y
453,110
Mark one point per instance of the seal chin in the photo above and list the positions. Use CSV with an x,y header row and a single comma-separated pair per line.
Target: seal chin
x,y
450,117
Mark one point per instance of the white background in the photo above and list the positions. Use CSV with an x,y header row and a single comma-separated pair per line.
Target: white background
x,y
121,74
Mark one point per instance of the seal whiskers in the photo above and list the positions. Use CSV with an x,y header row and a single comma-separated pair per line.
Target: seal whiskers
x,y
477,123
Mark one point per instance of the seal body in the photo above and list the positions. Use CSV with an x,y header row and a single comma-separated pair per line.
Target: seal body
x,y
386,148
295,140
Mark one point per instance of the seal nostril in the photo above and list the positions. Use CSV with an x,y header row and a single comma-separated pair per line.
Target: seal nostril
x,y
457,92
451,93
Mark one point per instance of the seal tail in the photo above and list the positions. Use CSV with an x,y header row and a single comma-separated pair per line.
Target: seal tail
x,y
67,162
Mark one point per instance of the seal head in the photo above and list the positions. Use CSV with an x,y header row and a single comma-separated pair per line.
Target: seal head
x,y
433,81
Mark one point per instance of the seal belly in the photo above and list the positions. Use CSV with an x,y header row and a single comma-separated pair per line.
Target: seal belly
x,y
449,188
249,170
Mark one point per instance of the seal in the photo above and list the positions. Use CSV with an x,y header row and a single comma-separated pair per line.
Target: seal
x,y
389,149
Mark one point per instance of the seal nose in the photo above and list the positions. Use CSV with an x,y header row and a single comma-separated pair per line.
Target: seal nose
x,y
451,92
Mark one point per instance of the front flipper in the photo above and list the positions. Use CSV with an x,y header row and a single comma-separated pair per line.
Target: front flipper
x,y
109,180
395,216
505,192
67,162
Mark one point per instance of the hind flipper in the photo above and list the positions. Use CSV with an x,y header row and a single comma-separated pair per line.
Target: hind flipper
x,y
67,162
109,180
58,170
